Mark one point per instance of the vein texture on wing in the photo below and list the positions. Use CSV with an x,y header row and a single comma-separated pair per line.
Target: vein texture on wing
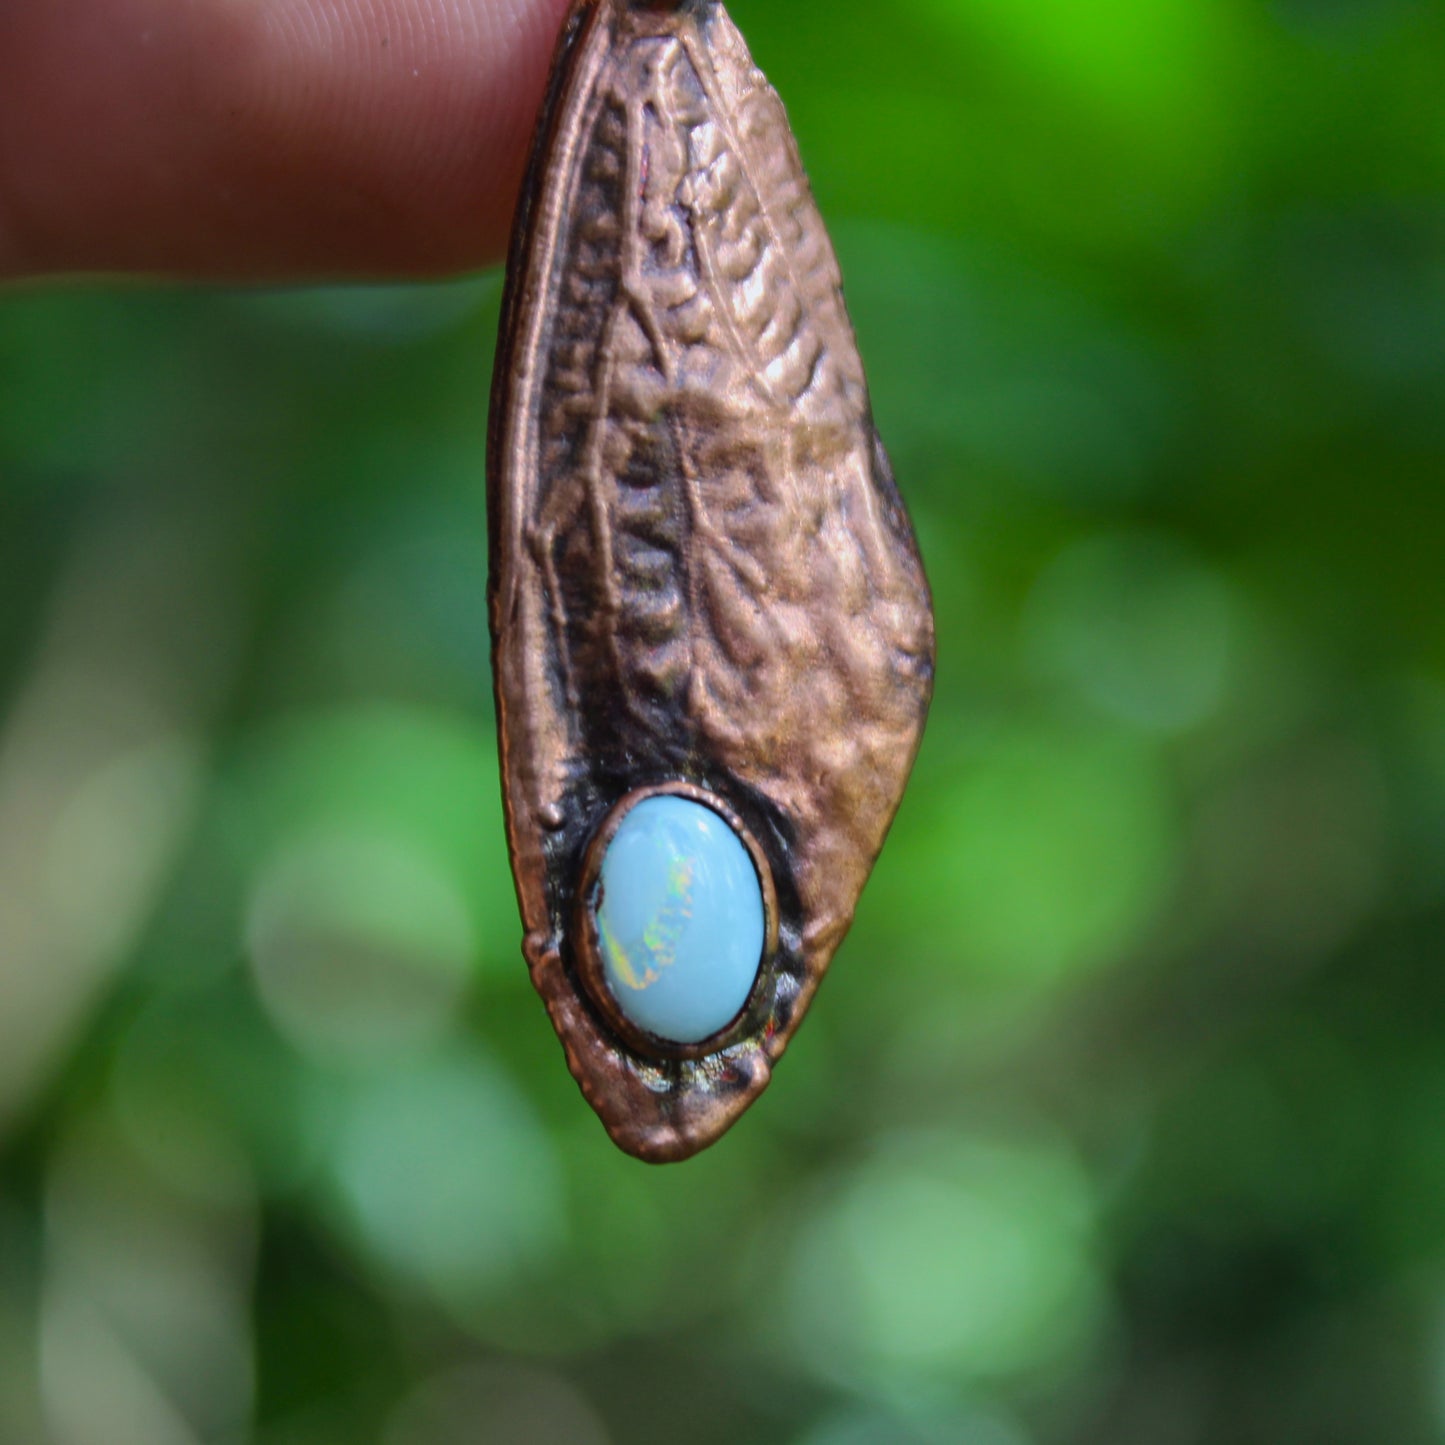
x,y
716,527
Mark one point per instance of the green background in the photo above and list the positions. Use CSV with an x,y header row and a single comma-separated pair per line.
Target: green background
x,y
1121,1116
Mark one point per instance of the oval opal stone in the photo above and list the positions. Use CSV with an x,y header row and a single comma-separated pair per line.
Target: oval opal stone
x,y
680,924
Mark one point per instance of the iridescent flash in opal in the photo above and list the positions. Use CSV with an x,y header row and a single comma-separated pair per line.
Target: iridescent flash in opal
x,y
680,920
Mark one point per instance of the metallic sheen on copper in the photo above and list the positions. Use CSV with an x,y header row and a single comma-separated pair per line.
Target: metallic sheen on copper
x,y
703,578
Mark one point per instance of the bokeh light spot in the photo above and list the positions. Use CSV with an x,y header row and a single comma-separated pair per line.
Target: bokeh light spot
x,y
359,943
1138,626
445,1177
1043,852
946,1256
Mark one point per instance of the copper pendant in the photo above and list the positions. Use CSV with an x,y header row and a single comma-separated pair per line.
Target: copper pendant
x,y
703,579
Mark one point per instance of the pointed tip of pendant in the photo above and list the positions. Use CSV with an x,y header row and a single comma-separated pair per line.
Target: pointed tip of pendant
x,y
668,1137
658,1113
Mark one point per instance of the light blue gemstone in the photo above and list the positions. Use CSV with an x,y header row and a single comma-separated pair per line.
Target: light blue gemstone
x,y
679,919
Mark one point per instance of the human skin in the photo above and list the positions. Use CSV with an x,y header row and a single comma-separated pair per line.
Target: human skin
x,y
265,139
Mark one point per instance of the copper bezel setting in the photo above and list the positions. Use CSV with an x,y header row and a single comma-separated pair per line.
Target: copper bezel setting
x,y
590,970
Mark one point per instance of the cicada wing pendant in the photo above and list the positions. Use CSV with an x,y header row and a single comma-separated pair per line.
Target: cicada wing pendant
x,y
712,634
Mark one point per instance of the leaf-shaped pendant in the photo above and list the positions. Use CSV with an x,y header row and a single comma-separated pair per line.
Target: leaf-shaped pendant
x,y
712,634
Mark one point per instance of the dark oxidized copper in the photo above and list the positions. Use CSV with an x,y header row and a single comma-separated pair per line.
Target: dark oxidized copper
x,y
703,579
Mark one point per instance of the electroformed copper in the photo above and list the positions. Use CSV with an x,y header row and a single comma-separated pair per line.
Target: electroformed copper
x,y
703,578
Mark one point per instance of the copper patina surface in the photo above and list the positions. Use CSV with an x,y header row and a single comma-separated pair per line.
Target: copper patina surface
x,y
703,577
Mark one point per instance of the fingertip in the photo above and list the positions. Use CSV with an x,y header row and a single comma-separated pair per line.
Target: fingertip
x,y
286,139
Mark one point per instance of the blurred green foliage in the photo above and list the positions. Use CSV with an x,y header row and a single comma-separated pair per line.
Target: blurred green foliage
x,y
1119,1120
